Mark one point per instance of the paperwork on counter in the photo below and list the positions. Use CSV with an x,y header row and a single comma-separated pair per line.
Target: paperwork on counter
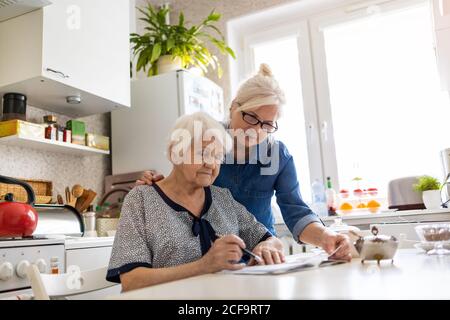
x,y
293,263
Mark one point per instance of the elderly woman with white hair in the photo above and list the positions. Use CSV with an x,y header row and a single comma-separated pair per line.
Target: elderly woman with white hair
x,y
261,166
182,226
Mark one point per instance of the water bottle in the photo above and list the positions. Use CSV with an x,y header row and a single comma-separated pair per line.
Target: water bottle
x,y
319,200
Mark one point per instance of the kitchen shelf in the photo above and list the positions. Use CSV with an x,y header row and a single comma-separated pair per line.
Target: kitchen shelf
x,y
52,146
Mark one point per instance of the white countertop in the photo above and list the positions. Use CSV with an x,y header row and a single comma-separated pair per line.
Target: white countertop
x,y
29,242
412,216
88,242
84,242
413,275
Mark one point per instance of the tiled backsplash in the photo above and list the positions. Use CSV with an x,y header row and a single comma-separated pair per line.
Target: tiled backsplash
x,y
64,170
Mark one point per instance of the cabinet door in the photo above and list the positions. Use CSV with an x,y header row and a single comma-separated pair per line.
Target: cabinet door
x,y
443,56
441,14
86,43
89,258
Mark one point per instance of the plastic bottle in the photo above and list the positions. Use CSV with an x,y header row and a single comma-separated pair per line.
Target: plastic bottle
x,y
319,202
331,198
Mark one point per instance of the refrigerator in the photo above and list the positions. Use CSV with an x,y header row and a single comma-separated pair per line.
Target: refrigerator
x,y
139,135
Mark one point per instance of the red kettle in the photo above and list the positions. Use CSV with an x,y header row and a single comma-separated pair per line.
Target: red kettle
x,y
17,219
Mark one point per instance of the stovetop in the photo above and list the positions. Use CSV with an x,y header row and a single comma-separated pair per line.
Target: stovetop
x,y
28,241
33,237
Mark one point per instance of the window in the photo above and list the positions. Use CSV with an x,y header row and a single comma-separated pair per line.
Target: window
x,y
362,87
283,58
389,117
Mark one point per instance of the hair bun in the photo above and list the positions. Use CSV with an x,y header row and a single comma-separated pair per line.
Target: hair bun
x,y
265,70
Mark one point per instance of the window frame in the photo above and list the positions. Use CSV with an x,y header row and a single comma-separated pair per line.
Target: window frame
x,y
317,23
299,30
313,66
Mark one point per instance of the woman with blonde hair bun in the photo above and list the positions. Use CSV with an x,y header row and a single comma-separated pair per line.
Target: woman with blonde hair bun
x,y
259,166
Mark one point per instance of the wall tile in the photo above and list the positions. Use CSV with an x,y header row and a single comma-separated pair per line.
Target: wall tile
x,y
63,170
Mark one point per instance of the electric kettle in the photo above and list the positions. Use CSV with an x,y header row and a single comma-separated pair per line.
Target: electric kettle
x,y
17,219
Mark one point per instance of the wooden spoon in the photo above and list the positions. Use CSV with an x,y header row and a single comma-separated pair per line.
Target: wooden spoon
x,y
60,199
77,191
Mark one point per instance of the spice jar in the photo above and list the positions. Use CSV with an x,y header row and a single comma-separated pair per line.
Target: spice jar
x,y
54,265
50,130
67,136
60,134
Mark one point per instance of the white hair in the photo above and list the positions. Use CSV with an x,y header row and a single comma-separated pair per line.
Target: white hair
x,y
196,128
260,90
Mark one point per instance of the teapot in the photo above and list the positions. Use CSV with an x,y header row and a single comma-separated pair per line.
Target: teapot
x,y
17,219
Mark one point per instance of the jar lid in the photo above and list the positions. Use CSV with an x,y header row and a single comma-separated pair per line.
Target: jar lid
x,y
14,95
50,119
54,259
377,237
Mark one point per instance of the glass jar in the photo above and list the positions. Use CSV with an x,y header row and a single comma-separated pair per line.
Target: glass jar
x,y
54,265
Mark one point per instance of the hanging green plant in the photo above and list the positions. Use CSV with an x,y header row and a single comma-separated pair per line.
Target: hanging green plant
x,y
188,44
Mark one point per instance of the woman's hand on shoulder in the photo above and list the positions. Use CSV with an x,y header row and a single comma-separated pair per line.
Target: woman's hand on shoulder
x,y
149,177
270,250
224,254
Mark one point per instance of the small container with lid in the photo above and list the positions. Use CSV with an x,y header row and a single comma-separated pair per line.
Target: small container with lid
x,y
67,135
14,106
51,129
54,265
89,223
60,134
376,247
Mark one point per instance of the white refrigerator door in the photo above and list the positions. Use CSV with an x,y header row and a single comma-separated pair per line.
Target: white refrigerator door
x,y
200,94
139,135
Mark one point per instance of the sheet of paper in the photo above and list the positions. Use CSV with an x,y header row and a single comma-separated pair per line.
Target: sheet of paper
x,y
293,263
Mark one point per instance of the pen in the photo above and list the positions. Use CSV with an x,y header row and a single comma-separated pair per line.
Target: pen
x,y
257,258
334,251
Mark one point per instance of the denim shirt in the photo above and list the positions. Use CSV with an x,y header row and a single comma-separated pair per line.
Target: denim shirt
x,y
254,189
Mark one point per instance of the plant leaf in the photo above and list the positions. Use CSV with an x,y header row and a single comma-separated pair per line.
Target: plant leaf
x,y
213,16
181,19
170,44
230,52
156,52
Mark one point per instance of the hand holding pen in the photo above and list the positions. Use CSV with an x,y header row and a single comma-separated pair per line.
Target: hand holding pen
x,y
224,254
245,251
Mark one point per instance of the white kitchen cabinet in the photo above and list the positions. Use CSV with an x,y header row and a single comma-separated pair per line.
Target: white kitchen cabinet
x,y
69,48
89,254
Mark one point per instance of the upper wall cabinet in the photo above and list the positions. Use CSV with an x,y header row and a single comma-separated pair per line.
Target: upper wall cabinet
x,y
441,19
78,49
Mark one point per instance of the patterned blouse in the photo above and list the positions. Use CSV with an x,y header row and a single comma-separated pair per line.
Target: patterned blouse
x,y
156,232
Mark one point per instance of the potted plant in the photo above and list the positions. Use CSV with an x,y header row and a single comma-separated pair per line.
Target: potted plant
x,y
431,191
165,47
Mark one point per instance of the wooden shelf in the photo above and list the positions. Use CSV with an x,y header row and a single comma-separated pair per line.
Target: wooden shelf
x,y
50,145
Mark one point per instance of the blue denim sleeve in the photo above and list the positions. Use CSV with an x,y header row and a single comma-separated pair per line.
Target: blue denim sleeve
x,y
296,213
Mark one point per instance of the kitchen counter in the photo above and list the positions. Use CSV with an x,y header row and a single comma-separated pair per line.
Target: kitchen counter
x,y
88,242
413,275
364,219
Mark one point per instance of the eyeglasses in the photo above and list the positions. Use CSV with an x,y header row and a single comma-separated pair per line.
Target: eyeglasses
x,y
267,126
207,156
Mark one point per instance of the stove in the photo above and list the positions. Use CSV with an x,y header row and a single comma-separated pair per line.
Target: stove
x,y
16,254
